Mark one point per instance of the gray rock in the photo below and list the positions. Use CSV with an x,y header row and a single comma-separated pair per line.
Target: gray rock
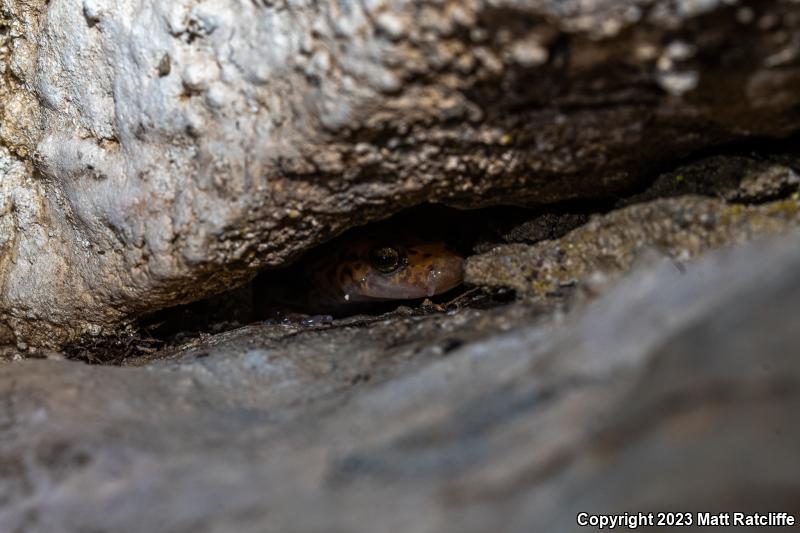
x,y
675,390
609,244
158,152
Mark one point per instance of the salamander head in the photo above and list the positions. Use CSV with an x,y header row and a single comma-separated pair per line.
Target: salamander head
x,y
401,269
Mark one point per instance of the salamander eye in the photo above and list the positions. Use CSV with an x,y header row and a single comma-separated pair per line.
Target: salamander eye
x,y
385,259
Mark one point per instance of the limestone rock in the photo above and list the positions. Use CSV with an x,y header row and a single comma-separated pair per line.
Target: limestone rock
x,y
157,152
677,389
679,228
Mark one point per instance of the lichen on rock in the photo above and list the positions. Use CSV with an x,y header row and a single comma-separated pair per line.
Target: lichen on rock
x,y
712,203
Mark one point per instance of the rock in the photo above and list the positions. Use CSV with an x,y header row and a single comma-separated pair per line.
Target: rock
x,y
736,178
672,375
545,227
679,228
156,153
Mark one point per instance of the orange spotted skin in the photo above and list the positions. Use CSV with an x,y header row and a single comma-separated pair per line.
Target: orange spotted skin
x,y
345,273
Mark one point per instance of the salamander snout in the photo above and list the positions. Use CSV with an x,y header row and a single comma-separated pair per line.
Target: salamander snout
x,y
444,273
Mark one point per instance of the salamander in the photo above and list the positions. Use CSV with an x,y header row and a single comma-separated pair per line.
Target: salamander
x,y
375,267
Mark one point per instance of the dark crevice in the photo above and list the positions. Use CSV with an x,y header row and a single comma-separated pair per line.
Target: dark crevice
x,y
713,172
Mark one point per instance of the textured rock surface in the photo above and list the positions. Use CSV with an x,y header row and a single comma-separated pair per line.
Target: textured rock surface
x,y
156,152
677,389
701,206
610,244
